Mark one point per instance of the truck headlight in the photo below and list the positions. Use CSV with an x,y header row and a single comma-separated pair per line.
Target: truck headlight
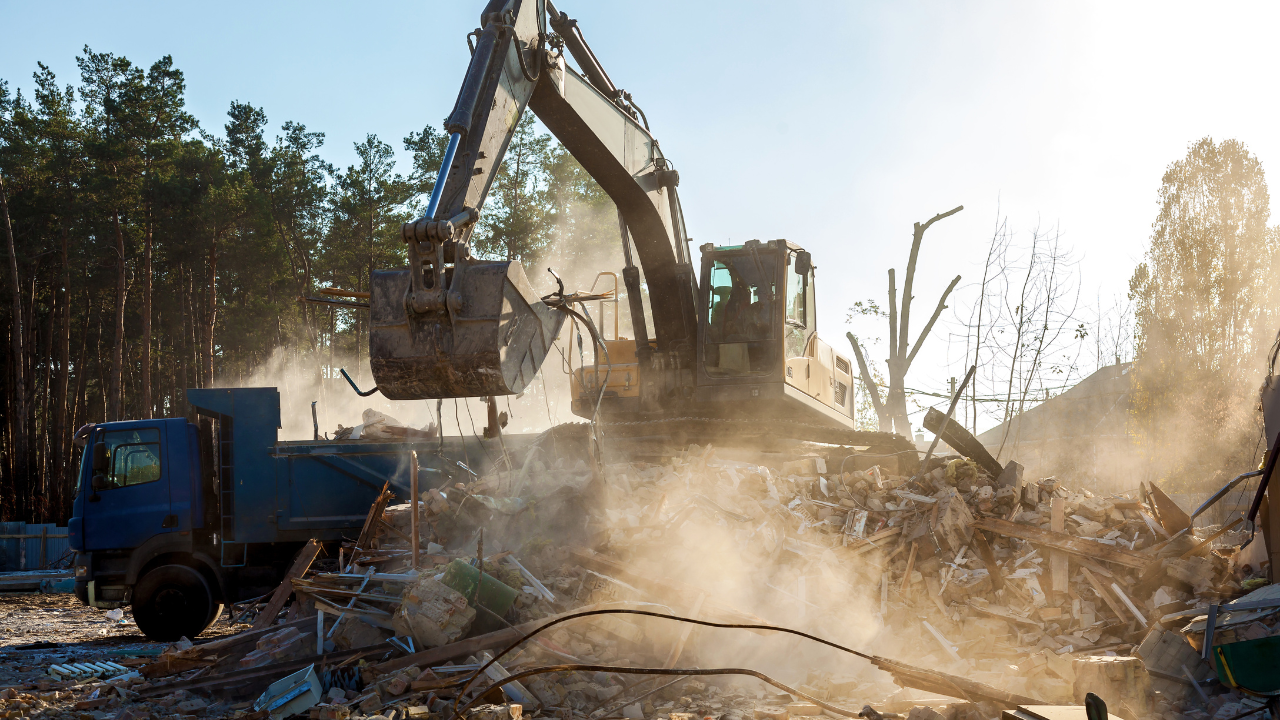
x,y
82,571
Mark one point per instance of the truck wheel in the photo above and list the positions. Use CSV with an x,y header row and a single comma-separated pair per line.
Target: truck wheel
x,y
172,602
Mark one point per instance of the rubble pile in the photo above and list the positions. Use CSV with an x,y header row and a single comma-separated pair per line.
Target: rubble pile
x,y
967,591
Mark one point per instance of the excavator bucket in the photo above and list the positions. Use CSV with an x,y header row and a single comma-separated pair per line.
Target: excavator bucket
x,y
491,343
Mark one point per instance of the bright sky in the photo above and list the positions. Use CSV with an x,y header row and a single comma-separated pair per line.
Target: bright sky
x,y
834,125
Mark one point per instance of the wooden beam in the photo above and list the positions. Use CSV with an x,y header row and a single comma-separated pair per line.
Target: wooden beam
x,y
1205,542
988,557
949,685
306,555
1058,577
906,577
961,440
678,648
1102,593
1172,518
1062,541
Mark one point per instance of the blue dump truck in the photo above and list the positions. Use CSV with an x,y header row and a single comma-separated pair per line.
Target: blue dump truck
x,y
179,519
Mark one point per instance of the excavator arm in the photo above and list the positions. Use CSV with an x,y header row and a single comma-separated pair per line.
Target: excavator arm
x,y
452,325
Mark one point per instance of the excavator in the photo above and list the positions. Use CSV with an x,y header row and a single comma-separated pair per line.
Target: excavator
x,y
735,352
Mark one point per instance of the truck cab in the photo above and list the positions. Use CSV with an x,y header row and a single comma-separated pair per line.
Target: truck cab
x,y
179,518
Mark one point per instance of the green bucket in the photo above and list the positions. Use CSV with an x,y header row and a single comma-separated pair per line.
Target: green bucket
x,y
1251,665
495,595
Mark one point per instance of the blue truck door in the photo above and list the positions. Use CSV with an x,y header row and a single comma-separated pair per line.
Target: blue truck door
x,y
133,500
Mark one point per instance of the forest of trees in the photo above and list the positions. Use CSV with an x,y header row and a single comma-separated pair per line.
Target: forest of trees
x,y
147,254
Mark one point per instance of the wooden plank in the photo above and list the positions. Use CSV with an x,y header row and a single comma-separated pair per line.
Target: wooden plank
x,y
906,577
961,440
1004,614
1173,518
1058,574
678,648
1205,542
1061,541
988,557
365,541
306,555
321,591
1095,567
1115,587
498,639
949,685
1102,593
868,544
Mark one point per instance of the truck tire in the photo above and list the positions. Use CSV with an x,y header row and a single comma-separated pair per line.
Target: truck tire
x,y
172,602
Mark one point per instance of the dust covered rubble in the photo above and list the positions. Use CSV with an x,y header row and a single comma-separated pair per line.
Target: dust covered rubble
x,y
1034,589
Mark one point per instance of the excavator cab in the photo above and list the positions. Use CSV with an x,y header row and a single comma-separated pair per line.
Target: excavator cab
x,y
758,350
758,333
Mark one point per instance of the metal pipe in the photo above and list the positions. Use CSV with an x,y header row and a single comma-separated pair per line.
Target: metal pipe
x,y
449,152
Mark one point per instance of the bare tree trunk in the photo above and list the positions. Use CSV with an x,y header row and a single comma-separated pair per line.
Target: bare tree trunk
x,y
182,349
44,433
206,350
145,382
62,382
900,358
115,397
18,419
873,390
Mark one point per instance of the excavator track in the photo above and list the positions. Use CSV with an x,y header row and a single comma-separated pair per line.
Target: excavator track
x,y
749,434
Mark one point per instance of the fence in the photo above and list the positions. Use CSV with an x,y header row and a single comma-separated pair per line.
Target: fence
x,y
31,547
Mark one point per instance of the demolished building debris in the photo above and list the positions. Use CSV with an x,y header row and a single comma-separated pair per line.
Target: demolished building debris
x,y
977,589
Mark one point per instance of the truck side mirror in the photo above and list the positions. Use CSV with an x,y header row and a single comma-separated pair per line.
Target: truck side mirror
x,y
804,262
99,457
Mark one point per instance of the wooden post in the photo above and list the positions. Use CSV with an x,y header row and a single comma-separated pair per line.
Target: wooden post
x,y
906,577
1058,571
44,546
306,555
1102,593
988,557
413,503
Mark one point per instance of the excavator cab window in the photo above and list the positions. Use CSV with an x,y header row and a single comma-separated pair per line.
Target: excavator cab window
x,y
740,315
800,322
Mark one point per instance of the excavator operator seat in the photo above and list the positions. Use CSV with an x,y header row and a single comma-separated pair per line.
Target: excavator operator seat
x,y
740,326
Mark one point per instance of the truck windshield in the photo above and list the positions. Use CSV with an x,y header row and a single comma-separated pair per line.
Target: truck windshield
x,y
133,456
741,314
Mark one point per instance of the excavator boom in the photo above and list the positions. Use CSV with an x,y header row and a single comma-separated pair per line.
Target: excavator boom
x,y
455,326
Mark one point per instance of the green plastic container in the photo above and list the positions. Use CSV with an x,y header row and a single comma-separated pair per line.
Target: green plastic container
x,y
495,595
1251,665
